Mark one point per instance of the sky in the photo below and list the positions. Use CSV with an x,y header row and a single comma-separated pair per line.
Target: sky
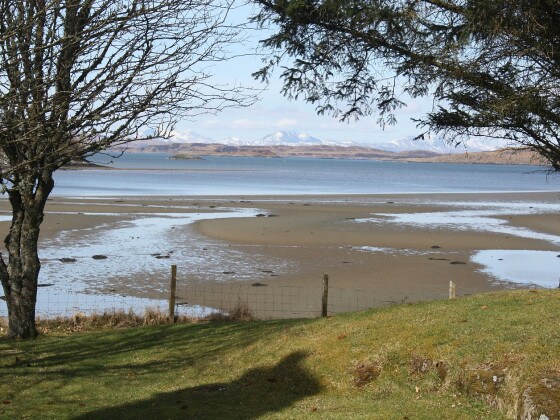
x,y
273,112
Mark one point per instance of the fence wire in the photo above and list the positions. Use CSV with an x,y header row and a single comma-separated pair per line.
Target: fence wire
x,y
262,301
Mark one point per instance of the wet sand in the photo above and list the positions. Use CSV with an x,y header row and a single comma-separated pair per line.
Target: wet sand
x,y
355,239
320,236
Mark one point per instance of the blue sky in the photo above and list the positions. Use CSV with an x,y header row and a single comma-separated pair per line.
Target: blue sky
x,y
275,113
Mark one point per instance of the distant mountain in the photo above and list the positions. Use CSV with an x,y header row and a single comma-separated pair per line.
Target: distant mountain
x,y
177,137
295,138
232,141
286,138
510,156
278,138
437,145
188,136
197,150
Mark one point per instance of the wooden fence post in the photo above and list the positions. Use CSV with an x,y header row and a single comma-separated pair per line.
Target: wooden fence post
x,y
325,294
172,293
451,290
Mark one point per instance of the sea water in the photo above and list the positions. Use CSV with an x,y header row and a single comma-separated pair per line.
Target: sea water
x,y
528,267
152,174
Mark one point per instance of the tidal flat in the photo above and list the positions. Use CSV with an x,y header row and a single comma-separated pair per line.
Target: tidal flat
x,y
100,253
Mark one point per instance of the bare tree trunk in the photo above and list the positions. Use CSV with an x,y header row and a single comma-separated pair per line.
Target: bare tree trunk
x,y
78,76
19,276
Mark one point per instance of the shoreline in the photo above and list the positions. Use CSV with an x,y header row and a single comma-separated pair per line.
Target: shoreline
x,y
502,195
288,242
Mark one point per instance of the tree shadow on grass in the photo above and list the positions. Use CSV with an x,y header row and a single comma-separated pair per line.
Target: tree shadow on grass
x,y
257,392
70,368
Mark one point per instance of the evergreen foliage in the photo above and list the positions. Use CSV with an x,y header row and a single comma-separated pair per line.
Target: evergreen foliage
x,y
493,67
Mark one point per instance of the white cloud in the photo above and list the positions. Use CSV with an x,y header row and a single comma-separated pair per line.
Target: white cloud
x,y
214,123
286,123
245,124
255,124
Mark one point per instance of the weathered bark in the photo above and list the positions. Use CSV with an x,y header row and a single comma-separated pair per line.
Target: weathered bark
x,y
20,274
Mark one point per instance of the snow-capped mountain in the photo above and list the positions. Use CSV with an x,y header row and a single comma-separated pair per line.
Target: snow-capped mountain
x,y
233,141
294,138
188,136
290,138
438,145
181,137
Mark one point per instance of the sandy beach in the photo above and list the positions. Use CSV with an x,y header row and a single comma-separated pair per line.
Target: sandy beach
x,y
334,235
392,245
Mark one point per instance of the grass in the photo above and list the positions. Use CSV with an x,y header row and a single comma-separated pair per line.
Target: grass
x,y
462,359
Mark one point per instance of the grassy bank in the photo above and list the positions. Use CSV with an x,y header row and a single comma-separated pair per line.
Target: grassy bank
x,y
469,358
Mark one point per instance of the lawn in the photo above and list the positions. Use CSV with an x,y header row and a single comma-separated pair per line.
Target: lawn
x,y
473,357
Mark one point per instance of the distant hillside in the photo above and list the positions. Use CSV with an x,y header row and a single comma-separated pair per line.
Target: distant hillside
x,y
504,156
196,150
189,151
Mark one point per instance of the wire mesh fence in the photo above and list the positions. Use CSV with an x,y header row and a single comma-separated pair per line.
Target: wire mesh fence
x,y
51,305
261,300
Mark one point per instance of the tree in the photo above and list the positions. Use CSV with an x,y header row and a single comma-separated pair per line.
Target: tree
x,y
77,76
492,66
